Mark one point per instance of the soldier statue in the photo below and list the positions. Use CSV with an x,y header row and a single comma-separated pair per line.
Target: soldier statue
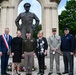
x,y
27,20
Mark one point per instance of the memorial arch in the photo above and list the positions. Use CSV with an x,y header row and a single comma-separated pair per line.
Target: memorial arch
x,y
9,11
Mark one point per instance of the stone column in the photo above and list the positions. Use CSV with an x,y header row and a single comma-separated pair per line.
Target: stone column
x,y
46,21
9,11
55,24
3,19
7,18
49,16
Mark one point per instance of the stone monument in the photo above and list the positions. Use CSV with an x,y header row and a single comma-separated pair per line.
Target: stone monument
x,y
9,11
27,21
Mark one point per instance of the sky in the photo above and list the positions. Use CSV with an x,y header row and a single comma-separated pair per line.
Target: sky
x,y
36,7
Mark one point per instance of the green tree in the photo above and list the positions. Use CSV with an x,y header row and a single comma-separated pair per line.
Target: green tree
x,y
68,17
36,30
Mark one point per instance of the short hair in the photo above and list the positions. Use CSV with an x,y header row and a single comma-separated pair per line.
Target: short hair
x,y
18,31
6,28
39,33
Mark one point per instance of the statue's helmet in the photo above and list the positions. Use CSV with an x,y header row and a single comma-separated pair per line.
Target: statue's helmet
x,y
27,5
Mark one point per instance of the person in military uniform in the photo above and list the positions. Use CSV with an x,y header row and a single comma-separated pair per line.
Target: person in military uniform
x,y
67,48
54,44
28,48
27,21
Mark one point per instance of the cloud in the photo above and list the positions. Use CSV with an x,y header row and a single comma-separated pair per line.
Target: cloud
x,y
36,7
60,10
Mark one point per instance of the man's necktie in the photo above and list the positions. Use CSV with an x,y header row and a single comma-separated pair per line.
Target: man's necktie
x,y
54,36
7,38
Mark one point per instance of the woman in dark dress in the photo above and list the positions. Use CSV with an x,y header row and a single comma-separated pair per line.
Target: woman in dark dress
x,y
41,51
16,49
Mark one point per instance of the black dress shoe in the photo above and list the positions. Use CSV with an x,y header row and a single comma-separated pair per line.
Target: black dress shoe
x,y
59,73
50,73
41,74
7,74
38,73
70,74
45,67
18,74
29,74
64,72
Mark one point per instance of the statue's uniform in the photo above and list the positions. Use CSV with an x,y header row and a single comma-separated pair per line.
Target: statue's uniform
x,y
27,22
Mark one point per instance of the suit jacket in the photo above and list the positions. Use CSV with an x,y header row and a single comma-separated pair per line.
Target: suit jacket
x,y
3,48
68,43
41,45
54,42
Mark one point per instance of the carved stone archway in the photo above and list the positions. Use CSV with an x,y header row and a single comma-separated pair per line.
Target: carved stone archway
x,y
9,11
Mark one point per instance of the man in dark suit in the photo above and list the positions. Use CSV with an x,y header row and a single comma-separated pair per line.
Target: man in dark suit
x,y
75,43
67,48
5,42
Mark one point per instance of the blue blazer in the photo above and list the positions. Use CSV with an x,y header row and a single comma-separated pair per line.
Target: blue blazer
x,y
3,48
68,43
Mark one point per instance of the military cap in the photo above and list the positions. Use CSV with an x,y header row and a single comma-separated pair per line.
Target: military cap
x,y
66,28
54,29
27,5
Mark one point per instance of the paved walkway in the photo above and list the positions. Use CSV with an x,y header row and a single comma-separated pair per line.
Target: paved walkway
x,y
48,67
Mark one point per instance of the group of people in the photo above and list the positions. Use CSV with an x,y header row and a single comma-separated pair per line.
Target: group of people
x,y
26,48
29,47
65,46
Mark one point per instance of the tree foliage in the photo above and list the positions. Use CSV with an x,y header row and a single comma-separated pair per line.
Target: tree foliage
x,y
68,17
36,30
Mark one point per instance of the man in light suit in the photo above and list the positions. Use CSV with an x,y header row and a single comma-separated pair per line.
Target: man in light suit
x,y
54,44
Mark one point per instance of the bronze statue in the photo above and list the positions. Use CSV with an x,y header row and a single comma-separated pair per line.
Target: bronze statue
x,y
27,20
